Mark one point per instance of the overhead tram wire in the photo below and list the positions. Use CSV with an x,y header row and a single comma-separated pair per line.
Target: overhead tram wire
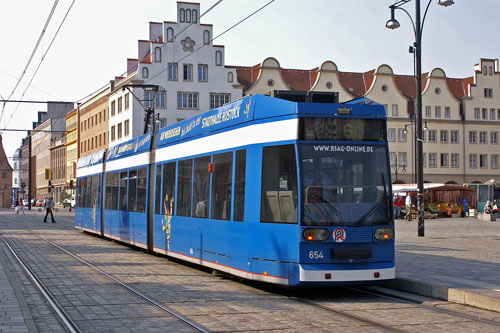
x,y
38,89
43,57
219,35
32,54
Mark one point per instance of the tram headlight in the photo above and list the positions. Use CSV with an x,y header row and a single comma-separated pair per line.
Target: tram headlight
x,y
316,234
384,234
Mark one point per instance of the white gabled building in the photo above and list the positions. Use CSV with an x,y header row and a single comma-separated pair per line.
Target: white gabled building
x,y
179,57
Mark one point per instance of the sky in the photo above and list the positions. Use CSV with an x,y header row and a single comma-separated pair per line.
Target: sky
x,y
98,36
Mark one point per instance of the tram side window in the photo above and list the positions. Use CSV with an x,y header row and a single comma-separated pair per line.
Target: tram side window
x,y
158,190
142,184
132,191
81,189
109,190
279,185
114,198
201,187
184,188
239,185
123,190
168,202
95,193
222,179
88,192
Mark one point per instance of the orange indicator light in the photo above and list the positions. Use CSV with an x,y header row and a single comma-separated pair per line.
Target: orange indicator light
x,y
310,237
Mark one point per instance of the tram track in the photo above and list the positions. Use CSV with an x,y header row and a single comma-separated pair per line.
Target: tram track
x,y
65,319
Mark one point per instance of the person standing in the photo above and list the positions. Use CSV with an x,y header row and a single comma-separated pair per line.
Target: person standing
x,y
408,206
49,205
21,206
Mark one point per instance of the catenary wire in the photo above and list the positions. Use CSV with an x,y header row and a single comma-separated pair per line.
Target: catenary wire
x,y
32,54
40,63
227,30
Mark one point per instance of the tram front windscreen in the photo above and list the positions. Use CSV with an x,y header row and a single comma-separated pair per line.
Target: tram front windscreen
x,y
345,184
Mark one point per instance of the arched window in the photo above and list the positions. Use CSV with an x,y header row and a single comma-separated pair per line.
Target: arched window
x,y
230,77
188,15
491,70
485,70
206,37
157,54
182,15
170,35
145,72
218,58
195,16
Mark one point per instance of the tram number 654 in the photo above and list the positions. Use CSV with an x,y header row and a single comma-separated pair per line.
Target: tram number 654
x,y
315,254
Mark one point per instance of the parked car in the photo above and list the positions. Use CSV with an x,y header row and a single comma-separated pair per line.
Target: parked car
x,y
67,203
25,203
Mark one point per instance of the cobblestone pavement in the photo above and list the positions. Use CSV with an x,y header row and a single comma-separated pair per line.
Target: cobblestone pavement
x,y
220,305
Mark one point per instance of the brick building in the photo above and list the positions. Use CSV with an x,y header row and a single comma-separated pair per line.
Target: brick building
x,y
5,179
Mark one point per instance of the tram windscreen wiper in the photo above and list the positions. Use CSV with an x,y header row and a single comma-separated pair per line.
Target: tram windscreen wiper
x,y
376,207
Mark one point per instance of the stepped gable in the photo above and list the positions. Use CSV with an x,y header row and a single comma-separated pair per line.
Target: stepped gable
x,y
4,161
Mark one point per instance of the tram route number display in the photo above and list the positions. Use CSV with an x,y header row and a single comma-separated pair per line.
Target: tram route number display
x,y
315,254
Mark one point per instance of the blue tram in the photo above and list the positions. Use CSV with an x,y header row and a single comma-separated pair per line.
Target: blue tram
x,y
265,189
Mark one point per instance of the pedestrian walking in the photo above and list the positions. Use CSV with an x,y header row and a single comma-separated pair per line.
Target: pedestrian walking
x,y
49,205
21,206
408,207
17,206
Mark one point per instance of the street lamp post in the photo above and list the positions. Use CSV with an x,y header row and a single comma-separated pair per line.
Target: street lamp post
x,y
397,167
413,145
417,28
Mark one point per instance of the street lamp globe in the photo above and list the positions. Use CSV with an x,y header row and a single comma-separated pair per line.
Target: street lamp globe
x,y
392,24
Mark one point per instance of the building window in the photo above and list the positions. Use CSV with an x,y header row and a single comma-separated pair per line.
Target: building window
x,y
494,161
443,136
437,91
485,113
483,161
270,82
145,72
218,58
230,77
113,108
488,92
402,159
454,160
394,109
170,35
126,126
206,37
385,88
437,111
112,133
401,135
172,71
391,134
157,54
454,136
187,100
428,111
182,15
160,99
120,104
498,114
492,114
392,158
217,100
473,161
188,15
472,137
494,138
188,72
485,70
483,137
432,160
432,135
119,131
447,112
490,70
444,160
203,73
148,98
477,113
127,104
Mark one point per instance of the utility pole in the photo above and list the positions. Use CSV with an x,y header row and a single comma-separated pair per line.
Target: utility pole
x,y
150,110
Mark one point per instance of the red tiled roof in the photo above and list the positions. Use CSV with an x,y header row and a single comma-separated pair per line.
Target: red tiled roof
x,y
407,85
314,75
468,81
368,78
296,79
244,76
353,83
456,87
